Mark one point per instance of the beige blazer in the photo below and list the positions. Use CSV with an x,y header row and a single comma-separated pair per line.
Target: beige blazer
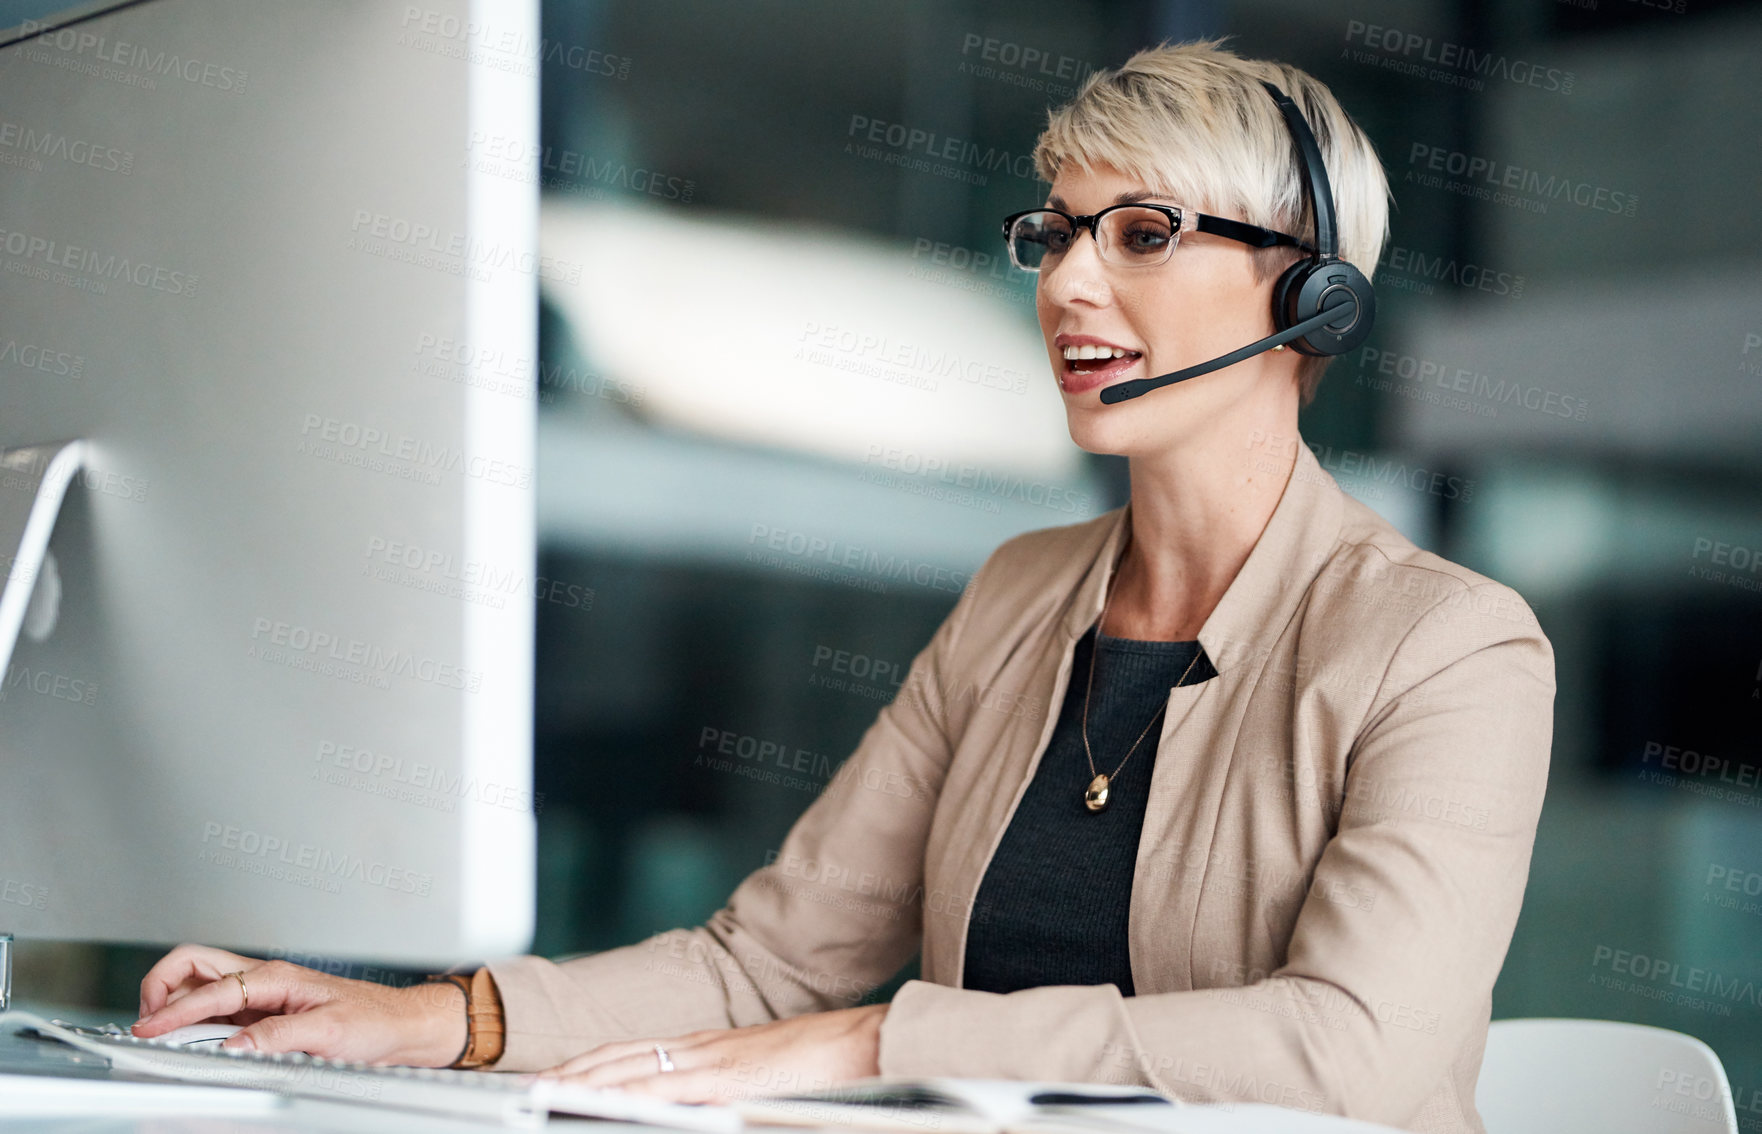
x,y
1335,850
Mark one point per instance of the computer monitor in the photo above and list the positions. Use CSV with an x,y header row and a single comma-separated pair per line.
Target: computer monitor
x,y
247,260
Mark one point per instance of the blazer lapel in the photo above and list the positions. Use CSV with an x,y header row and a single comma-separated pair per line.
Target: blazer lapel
x,y
981,793
1201,728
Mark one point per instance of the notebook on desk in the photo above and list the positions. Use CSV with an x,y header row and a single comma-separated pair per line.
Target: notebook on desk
x,y
967,1106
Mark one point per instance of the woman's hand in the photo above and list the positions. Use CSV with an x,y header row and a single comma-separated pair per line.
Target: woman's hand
x,y
803,1053
292,1008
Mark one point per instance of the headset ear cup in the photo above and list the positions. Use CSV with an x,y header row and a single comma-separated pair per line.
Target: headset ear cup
x,y
1289,282
1311,286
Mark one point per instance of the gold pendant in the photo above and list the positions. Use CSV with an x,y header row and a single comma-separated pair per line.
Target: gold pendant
x,y
1096,796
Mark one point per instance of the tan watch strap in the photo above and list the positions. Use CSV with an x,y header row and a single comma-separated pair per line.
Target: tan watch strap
x,y
484,1031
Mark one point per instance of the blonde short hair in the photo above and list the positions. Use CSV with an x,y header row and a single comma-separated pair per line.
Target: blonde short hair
x,y
1192,122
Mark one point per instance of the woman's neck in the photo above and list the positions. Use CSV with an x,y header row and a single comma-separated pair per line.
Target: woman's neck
x,y
1196,514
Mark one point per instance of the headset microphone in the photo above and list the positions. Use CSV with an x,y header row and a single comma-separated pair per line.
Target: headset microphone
x,y
1322,305
1120,391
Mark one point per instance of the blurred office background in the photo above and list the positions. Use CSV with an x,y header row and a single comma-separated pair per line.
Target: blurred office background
x,y
798,395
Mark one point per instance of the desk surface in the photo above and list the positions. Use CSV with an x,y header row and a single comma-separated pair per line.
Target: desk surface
x,y
115,1104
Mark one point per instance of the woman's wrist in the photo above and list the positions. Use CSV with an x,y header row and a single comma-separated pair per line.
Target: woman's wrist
x,y
440,1028
872,1020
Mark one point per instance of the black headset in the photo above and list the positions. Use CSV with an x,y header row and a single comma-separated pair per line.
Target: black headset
x,y
1322,306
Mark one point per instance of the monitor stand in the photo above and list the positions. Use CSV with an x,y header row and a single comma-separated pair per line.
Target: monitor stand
x,y
33,482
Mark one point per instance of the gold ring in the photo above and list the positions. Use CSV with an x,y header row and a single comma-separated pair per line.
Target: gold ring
x,y
243,991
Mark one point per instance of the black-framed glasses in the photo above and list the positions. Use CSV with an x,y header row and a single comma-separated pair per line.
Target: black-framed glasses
x,y
1133,235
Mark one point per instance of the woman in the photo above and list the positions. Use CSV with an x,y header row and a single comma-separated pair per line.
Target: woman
x,y
1300,892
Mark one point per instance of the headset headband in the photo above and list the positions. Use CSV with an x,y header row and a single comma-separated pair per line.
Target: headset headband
x,y
1321,199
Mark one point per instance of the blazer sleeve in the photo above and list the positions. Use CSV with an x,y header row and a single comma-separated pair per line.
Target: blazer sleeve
x,y
1443,790
833,915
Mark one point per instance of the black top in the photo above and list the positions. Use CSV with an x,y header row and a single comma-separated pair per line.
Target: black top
x,y
1053,904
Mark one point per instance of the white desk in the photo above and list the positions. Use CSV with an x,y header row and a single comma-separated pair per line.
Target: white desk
x,y
118,1105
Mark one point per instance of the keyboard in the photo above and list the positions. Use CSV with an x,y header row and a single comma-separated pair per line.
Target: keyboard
x,y
486,1096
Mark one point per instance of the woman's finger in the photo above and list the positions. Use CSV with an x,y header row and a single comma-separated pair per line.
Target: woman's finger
x,y
260,989
608,1053
699,1085
214,1000
576,1064
600,1063
182,969
318,1032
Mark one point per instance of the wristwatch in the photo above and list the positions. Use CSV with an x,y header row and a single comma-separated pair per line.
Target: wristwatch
x,y
484,1032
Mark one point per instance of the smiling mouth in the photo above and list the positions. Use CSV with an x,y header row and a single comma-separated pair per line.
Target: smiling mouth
x,y
1100,365
1082,374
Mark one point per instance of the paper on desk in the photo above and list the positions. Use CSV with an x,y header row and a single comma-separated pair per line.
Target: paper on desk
x,y
948,1105
45,1095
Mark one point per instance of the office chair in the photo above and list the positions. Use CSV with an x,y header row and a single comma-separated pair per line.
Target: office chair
x,y
1545,1076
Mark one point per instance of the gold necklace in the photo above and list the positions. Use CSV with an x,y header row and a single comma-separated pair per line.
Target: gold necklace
x,y
1095,795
